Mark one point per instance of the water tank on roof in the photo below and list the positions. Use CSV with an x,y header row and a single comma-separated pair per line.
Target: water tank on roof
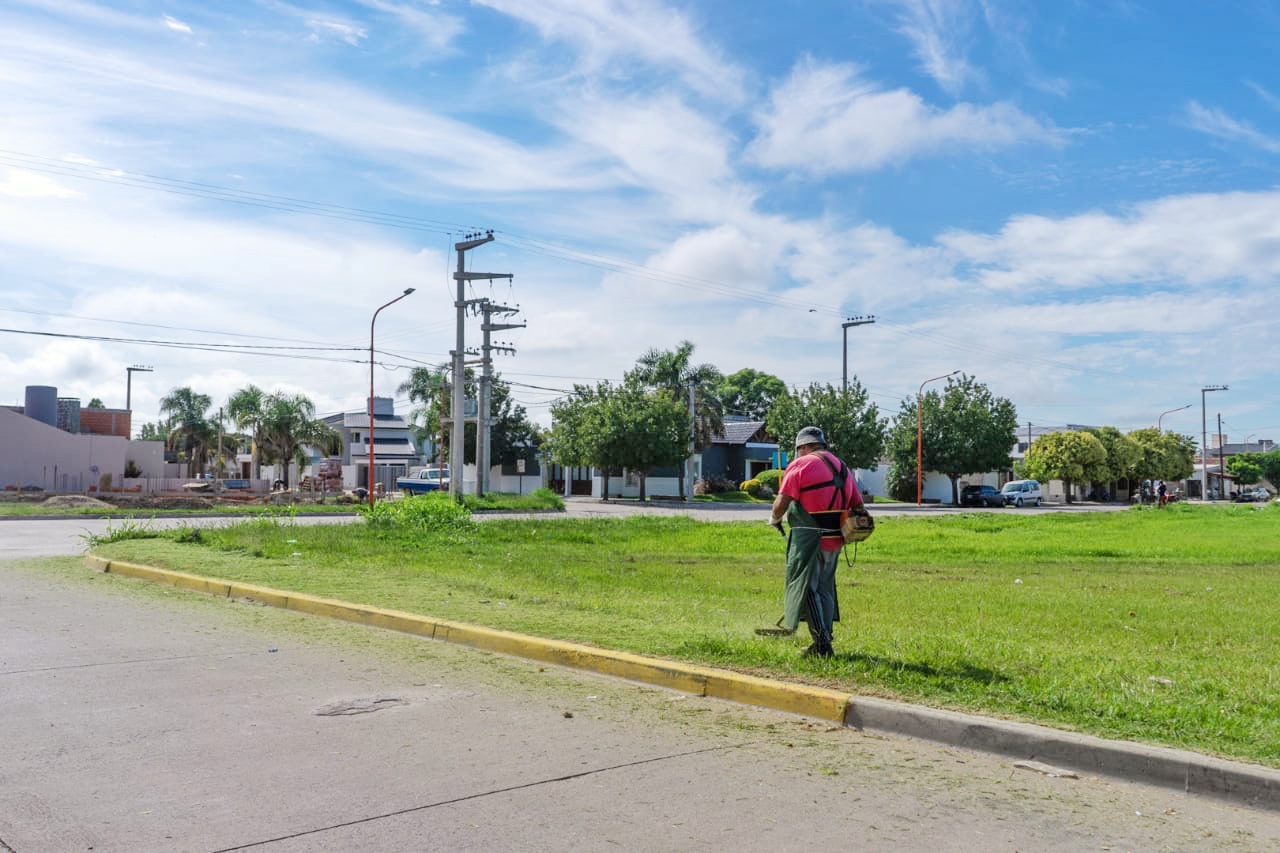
x,y
42,404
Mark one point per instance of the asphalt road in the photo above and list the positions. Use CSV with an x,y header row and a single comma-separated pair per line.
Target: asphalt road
x,y
145,718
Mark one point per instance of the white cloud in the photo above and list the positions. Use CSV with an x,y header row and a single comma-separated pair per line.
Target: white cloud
x,y
937,30
825,118
102,89
23,184
345,31
659,145
609,32
1193,239
1217,123
436,29
176,25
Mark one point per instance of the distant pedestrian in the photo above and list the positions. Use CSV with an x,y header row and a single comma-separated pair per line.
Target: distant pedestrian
x,y
1163,491
816,490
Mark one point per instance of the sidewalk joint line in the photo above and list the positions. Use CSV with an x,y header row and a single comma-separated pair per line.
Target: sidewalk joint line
x,y
411,809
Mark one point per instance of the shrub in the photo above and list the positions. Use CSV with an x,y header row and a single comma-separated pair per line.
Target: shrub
x,y
770,479
751,487
714,484
432,511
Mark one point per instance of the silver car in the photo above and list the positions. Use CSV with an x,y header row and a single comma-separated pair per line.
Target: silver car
x,y
1021,493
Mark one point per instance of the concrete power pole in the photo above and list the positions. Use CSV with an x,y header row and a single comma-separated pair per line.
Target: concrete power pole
x,y
693,435
484,413
461,277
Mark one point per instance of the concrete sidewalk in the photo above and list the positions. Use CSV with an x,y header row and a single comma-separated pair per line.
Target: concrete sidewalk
x,y
1182,770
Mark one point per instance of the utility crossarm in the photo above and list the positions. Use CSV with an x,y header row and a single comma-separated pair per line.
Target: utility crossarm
x,y
480,276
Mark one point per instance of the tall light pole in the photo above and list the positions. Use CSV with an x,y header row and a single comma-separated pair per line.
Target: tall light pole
x,y
852,321
920,435
1171,411
128,385
1204,441
407,291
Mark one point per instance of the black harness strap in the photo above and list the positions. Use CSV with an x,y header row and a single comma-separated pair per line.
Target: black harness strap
x,y
830,518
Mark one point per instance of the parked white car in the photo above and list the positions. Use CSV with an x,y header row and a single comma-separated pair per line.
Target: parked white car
x,y
1021,493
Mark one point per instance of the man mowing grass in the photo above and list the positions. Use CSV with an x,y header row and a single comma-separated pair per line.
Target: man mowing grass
x,y
816,491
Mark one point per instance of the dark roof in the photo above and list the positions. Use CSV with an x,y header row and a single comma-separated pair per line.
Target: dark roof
x,y
739,432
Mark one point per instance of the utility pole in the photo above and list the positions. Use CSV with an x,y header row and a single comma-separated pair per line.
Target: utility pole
x,y
852,321
1222,462
693,434
461,277
128,386
483,411
1204,441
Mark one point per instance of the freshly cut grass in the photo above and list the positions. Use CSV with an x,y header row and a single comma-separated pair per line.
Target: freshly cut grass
x,y
1153,625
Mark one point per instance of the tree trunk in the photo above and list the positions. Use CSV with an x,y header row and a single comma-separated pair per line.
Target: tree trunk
x,y
955,488
605,472
1067,484
643,477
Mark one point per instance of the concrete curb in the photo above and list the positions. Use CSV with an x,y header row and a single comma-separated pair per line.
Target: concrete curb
x,y
1191,772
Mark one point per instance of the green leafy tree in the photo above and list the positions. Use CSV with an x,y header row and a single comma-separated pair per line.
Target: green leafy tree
x,y
190,431
966,430
289,425
96,403
153,432
1165,455
1123,455
1270,462
612,427
852,424
640,430
569,441
672,373
1245,467
750,392
1072,456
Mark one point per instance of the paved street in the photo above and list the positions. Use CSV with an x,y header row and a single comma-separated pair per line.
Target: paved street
x,y
140,717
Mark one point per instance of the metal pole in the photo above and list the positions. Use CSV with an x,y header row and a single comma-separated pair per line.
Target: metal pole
x,y
1171,411
852,321
407,291
1204,441
920,435
1222,462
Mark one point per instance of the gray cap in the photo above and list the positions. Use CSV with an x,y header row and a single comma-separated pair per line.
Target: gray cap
x,y
810,435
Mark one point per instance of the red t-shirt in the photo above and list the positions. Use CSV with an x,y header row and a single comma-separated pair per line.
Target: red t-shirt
x,y
809,470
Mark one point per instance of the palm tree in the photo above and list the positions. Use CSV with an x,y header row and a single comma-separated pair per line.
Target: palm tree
x,y
246,408
671,372
289,424
190,430
426,386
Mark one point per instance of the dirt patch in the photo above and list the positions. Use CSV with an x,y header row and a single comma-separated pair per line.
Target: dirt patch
x,y
75,502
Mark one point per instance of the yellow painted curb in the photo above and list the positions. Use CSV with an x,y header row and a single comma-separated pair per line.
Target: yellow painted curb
x,y
702,681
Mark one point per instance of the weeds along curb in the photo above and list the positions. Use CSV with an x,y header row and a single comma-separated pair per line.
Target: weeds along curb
x,y
809,701
1190,772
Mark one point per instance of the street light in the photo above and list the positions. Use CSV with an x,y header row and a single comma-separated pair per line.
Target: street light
x,y
1171,411
920,435
407,291
1204,441
852,321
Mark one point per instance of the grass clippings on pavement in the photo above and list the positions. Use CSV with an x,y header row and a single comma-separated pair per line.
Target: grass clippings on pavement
x,y
1152,625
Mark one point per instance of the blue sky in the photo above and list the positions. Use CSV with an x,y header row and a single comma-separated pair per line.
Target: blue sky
x,y
1077,203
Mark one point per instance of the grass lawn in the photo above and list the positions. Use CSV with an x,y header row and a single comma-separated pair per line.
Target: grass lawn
x,y
1153,625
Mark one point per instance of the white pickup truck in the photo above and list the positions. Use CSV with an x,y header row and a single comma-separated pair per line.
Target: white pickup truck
x,y
426,480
